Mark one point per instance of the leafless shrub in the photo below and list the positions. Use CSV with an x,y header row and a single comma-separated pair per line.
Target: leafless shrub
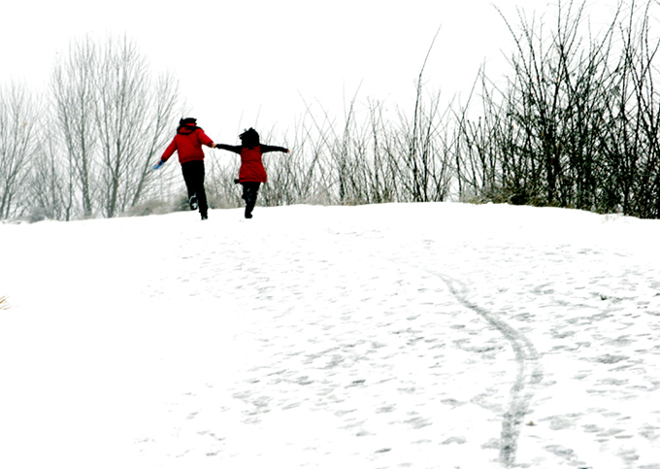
x,y
150,207
577,125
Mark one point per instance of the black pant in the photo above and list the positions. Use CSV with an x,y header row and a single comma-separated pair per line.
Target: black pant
x,y
250,191
193,175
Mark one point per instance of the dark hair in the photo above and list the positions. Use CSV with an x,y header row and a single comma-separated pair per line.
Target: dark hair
x,y
249,138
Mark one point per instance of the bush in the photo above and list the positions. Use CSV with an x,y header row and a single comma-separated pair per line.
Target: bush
x,y
150,207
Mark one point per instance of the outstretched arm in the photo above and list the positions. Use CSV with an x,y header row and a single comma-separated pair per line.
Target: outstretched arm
x,y
205,139
267,148
234,148
169,151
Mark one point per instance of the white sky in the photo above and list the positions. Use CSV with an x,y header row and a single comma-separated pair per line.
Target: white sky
x,y
254,63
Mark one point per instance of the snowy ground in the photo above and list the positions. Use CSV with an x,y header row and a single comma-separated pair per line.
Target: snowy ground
x,y
412,336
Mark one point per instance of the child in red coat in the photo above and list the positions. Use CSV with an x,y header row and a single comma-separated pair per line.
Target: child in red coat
x,y
252,172
188,143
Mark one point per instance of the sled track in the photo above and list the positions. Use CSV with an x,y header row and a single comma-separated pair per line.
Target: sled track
x,y
528,375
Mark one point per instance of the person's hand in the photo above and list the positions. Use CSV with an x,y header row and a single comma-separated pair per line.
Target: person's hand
x,y
159,165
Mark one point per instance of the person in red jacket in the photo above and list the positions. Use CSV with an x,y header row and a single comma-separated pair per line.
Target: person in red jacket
x,y
252,172
188,143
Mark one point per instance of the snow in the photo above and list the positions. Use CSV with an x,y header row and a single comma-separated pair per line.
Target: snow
x,y
405,335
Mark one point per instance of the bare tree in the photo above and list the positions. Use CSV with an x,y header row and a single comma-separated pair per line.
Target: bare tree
x,y
112,117
18,124
52,187
579,121
540,140
633,148
131,115
163,100
74,93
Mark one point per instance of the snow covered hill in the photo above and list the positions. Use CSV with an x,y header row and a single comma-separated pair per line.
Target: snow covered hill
x,y
418,336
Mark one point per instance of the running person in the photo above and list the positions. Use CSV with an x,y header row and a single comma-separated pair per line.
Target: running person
x,y
188,143
252,172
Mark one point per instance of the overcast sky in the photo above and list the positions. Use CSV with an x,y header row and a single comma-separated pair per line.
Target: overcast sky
x,y
255,63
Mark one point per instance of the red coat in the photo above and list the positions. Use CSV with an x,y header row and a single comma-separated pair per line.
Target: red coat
x,y
188,144
252,166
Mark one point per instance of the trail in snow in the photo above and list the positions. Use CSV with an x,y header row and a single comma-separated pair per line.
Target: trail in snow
x,y
529,371
330,337
528,376
579,288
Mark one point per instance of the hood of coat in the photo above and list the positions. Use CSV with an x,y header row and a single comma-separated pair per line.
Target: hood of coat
x,y
187,129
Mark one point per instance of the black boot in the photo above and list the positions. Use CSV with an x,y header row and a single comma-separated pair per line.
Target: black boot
x,y
250,190
250,202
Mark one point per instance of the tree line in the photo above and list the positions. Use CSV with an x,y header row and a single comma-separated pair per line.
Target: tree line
x,y
574,125
85,148
577,124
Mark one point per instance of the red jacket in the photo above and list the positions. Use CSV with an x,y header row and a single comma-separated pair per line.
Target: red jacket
x,y
188,143
252,167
